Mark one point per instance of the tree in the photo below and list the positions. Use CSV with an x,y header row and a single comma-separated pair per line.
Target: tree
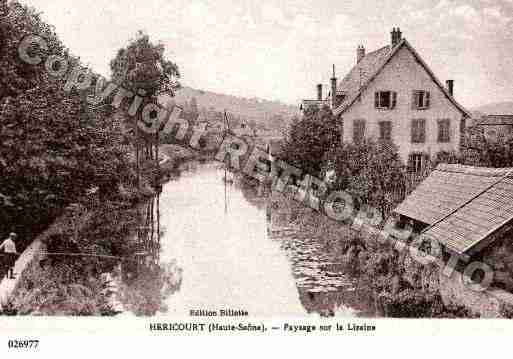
x,y
484,152
194,108
309,138
143,65
370,171
54,145
142,68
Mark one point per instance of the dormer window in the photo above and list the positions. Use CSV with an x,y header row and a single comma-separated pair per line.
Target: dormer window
x,y
385,100
421,100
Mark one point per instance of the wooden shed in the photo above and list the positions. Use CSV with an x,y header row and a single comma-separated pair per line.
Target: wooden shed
x,y
464,208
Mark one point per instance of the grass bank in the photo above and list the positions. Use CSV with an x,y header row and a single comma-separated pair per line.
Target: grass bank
x,y
402,287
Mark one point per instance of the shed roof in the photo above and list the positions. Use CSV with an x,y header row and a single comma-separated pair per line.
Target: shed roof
x,y
462,205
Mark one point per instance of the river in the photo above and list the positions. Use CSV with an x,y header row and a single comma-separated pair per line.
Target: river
x,y
217,236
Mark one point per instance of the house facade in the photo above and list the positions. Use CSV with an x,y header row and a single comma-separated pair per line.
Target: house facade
x,y
391,94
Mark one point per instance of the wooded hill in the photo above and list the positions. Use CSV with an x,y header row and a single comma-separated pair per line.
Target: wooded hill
x,y
271,116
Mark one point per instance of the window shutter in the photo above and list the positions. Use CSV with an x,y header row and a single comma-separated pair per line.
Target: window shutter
x,y
385,130
444,130
394,99
422,130
427,99
413,131
358,131
414,100
376,99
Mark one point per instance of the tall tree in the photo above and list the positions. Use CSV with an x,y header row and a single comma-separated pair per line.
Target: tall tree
x,y
54,145
143,65
309,138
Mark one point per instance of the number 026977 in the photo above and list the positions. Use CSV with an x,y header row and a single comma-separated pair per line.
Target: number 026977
x,y
23,343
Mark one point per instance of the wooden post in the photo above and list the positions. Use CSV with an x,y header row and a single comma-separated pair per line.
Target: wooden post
x,y
152,246
137,155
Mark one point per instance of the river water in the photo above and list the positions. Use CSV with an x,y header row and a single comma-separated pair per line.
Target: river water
x,y
217,238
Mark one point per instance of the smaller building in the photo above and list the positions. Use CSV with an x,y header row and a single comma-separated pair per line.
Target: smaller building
x,y
496,126
468,211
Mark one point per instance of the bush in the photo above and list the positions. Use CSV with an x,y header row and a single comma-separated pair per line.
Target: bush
x,y
371,172
309,138
54,145
481,151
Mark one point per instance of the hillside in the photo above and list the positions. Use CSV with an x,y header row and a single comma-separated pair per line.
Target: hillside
x,y
496,108
273,116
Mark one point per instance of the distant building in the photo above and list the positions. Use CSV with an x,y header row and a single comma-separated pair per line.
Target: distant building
x,y
495,126
244,131
392,94
319,102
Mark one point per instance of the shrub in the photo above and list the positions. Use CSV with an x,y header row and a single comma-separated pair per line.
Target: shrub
x,y
371,172
309,138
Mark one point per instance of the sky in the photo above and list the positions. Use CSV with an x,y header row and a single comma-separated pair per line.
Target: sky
x,y
280,50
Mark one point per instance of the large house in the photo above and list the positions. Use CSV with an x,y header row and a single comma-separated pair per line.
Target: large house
x,y
392,94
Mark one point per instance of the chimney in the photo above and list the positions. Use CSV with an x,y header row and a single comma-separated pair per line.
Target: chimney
x,y
396,36
333,90
450,86
319,92
360,53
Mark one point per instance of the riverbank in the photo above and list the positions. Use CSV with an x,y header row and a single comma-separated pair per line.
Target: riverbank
x,y
401,287
70,273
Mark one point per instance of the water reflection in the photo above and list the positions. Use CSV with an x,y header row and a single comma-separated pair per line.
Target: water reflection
x,y
142,285
223,249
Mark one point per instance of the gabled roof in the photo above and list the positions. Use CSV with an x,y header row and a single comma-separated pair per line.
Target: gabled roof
x,y
494,120
363,73
462,205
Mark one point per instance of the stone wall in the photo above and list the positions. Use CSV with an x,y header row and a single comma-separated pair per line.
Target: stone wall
x,y
486,304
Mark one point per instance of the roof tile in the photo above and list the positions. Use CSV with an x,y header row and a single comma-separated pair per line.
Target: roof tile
x,y
462,205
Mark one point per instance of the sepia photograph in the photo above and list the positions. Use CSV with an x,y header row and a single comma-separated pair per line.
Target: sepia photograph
x,y
272,167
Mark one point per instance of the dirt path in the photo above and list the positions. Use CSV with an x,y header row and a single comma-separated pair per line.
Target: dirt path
x,y
7,286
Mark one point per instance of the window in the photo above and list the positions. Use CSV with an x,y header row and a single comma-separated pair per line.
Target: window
x,y
444,130
418,131
415,163
385,130
421,100
385,99
358,131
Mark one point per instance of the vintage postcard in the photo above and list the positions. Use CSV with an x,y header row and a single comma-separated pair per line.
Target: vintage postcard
x,y
275,167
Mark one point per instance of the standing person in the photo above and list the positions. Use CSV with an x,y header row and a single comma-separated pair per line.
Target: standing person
x,y
9,247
